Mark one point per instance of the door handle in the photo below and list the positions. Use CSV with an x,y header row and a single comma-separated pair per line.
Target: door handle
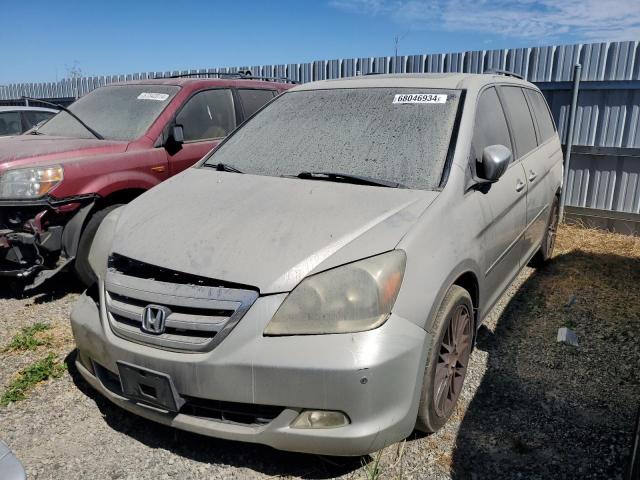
x,y
519,185
532,175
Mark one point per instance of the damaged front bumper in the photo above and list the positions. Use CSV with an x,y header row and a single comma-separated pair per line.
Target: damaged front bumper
x,y
39,238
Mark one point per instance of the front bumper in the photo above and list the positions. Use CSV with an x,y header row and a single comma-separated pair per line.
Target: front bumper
x,y
37,235
374,377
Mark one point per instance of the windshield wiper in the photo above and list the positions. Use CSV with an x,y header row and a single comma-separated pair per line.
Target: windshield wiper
x,y
348,178
65,109
223,167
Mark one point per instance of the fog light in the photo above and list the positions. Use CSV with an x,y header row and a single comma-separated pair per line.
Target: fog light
x,y
320,419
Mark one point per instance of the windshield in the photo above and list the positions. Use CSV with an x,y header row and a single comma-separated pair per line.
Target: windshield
x,y
119,112
395,134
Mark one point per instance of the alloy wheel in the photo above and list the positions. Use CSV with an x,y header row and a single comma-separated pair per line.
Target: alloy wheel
x,y
453,360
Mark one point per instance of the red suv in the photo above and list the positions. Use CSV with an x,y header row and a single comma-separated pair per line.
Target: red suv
x,y
58,181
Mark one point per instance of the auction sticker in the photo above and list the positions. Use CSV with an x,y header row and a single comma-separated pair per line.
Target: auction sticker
x,y
160,97
420,98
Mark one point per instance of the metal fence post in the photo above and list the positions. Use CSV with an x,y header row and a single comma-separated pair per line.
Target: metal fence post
x,y
572,122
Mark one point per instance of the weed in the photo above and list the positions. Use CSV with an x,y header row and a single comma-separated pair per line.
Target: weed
x,y
28,338
28,378
373,470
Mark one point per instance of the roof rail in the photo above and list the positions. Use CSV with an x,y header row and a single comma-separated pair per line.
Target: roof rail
x,y
506,73
243,75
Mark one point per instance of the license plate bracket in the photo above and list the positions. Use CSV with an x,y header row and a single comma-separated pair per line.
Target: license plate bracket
x,y
148,386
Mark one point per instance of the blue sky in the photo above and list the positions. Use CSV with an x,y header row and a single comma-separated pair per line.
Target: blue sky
x,y
42,40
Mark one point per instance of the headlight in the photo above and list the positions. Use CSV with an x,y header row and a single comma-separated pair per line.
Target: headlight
x,y
30,182
102,242
352,298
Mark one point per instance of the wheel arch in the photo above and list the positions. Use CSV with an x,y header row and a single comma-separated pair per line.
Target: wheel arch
x,y
122,196
466,276
469,282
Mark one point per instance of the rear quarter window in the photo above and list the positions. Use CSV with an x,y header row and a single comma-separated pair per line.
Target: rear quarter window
x,y
546,127
522,127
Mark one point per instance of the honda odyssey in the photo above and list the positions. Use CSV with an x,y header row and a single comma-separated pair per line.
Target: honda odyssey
x,y
316,282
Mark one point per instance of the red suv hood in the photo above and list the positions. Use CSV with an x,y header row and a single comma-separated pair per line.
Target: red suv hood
x,y
25,150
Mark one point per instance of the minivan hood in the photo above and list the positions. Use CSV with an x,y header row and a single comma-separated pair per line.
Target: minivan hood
x,y
25,150
267,232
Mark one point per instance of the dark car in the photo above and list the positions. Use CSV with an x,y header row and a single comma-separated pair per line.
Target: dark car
x,y
17,120
59,180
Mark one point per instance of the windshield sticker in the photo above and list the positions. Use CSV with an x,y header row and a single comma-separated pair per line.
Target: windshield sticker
x,y
419,98
160,97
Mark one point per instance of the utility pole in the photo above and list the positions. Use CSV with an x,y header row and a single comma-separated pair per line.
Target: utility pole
x,y
577,69
396,43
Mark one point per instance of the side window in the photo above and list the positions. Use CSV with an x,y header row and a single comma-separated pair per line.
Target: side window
x,y
35,117
253,100
546,126
207,115
490,125
524,132
10,123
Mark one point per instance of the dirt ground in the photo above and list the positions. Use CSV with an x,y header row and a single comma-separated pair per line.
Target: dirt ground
x,y
531,408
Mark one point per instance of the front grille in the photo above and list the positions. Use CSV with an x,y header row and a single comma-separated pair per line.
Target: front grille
x,y
198,319
244,413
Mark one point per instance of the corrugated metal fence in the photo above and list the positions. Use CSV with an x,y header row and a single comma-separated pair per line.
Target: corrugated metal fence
x,y
608,112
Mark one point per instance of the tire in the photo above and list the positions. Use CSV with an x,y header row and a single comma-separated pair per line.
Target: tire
x,y
82,268
447,360
543,255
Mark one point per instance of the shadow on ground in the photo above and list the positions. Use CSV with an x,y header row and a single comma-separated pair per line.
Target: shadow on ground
x,y
543,410
196,447
547,410
54,289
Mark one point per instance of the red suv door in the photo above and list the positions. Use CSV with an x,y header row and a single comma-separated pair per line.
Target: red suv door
x,y
206,118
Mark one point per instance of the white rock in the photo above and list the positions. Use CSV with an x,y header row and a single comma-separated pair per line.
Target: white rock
x,y
568,336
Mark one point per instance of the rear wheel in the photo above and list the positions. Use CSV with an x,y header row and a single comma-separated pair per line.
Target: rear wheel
x,y
543,255
447,360
82,268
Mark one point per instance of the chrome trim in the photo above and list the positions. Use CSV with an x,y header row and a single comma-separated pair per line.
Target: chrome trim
x,y
192,326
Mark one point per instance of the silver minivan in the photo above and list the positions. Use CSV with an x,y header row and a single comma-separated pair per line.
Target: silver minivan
x,y
316,282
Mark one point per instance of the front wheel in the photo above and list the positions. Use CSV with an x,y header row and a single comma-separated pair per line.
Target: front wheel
x,y
447,360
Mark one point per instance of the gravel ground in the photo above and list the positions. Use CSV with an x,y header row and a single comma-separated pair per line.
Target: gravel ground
x,y
531,408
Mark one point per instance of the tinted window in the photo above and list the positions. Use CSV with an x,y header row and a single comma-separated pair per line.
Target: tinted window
x,y
207,115
521,122
35,117
117,112
375,132
253,100
10,123
491,124
546,127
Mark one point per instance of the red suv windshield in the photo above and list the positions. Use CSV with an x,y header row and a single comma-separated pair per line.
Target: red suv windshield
x,y
118,112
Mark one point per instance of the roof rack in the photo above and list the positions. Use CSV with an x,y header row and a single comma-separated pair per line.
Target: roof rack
x,y
506,73
246,75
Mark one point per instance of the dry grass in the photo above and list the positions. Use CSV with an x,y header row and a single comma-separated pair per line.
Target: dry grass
x,y
601,279
591,240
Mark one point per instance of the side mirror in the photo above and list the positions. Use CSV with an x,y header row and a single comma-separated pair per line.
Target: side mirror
x,y
175,139
495,160
177,134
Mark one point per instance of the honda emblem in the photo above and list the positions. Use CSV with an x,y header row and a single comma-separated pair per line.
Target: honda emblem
x,y
154,318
